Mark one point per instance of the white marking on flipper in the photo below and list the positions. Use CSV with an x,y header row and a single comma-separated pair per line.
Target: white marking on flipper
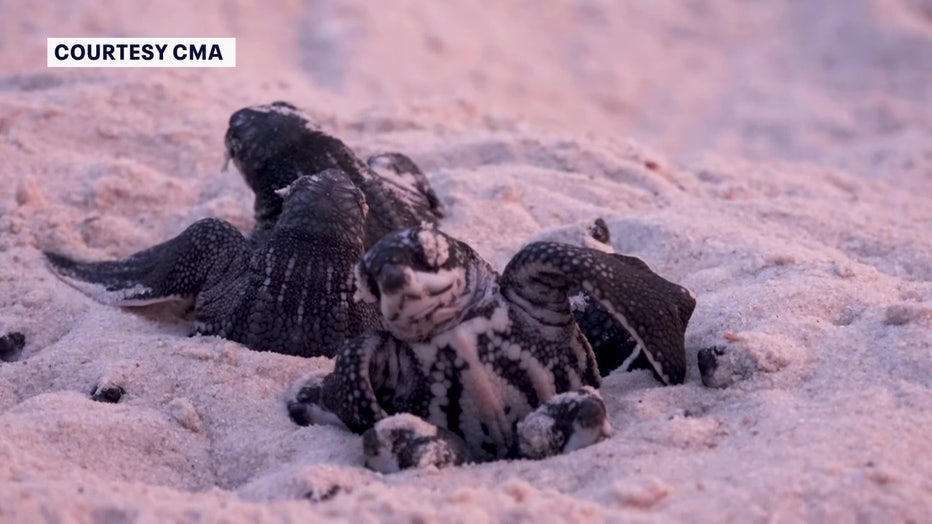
x,y
637,338
409,422
626,363
579,301
117,297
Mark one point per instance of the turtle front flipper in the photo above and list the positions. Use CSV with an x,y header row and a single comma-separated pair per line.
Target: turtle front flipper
x,y
207,251
350,394
406,180
653,310
613,346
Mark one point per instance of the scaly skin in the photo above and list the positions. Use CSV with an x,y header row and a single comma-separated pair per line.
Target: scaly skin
x,y
292,293
475,353
272,145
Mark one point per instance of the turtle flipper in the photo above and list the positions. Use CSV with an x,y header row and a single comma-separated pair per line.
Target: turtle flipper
x,y
612,345
610,342
404,441
653,310
180,267
406,180
564,423
348,394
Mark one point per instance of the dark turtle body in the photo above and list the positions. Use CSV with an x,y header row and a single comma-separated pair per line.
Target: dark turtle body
x,y
271,145
474,352
292,293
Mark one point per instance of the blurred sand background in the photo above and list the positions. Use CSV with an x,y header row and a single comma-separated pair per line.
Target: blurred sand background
x,y
775,158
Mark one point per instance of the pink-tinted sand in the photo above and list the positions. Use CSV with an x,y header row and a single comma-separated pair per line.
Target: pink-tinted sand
x,y
775,158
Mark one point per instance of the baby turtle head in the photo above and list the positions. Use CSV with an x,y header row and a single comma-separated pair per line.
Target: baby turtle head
x,y
424,281
259,134
325,202
272,145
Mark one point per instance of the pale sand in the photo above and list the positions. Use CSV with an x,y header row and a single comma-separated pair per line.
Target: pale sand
x,y
779,165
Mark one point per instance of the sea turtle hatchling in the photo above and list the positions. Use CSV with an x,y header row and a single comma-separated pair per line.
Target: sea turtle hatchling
x,y
475,353
292,293
273,144
614,347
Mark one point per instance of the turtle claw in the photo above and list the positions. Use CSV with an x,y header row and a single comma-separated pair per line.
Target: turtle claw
x,y
406,179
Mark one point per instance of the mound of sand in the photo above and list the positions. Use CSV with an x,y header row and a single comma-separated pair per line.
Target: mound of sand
x,y
780,166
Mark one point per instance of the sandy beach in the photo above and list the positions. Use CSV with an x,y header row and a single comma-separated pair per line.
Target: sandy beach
x,y
775,158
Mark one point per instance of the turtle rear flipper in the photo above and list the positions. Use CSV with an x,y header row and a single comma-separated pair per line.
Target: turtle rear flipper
x,y
610,342
564,423
207,251
653,310
406,180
